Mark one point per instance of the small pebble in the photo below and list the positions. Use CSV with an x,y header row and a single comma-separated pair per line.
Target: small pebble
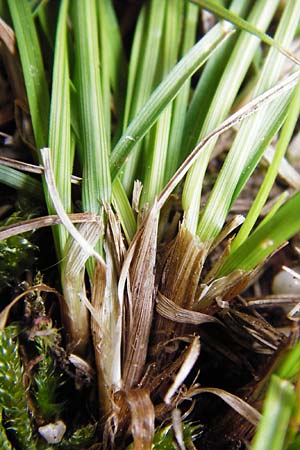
x,y
286,282
53,432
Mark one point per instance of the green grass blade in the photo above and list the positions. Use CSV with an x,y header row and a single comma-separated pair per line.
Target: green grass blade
x,y
277,410
116,60
207,86
104,48
280,202
222,12
272,126
266,239
237,168
252,131
246,111
164,93
60,123
142,73
117,53
96,184
136,50
156,160
180,103
113,67
113,71
123,208
234,73
278,428
33,69
21,182
47,16
290,366
156,157
271,174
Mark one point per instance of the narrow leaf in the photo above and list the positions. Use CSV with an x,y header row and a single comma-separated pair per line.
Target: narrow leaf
x,y
253,131
142,70
224,13
267,238
141,289
269,179
21,181
231,80
163,94
60,122
277,410
33,69
96,185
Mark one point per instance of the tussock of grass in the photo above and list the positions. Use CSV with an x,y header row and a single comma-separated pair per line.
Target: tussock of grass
x,y
155,284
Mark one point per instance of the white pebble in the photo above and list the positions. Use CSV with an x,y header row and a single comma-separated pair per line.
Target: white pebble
x,y
287,282
53,432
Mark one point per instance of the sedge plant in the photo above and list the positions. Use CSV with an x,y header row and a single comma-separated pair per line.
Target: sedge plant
x,y
139,123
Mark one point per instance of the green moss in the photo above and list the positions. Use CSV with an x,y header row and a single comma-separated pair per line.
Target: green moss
x,y
17,253
13,398
164,436
4,442
82,438
47,381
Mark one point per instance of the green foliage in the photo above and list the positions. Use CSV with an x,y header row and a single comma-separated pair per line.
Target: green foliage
x,y
17,253
60,124
13,394
33,68
277,411
47,382
81,438
22,182
85,114
279,426
290,366
164,436
295,445
265,239
4,442
94,145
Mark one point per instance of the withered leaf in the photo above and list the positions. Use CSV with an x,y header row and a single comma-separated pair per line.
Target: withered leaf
x,y
140,279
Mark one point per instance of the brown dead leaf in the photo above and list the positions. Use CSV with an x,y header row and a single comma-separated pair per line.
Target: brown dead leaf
x,y
227,229
269,301
99,283
107,318
238,404
178,428
132,411
225,288
115,239
11,61
252,331
191,357
142,418
168,309
179,278
140,280
45,221
7,36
